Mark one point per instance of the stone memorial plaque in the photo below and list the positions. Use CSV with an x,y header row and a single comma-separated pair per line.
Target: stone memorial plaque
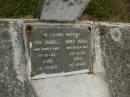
x,y
59,49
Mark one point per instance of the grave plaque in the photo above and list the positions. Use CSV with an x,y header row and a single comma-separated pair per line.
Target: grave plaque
x,y
59,49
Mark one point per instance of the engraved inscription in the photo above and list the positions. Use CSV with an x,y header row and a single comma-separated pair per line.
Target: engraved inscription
x,y
59,49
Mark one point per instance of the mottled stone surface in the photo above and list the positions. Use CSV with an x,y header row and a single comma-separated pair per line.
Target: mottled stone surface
x,y
10,86
13,82
115,45
61,10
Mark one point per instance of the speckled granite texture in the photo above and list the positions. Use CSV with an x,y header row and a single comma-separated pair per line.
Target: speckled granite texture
x,y
115,45
13,82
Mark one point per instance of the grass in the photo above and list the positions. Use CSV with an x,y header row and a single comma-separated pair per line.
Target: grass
x,y
114,10
105,10
18,8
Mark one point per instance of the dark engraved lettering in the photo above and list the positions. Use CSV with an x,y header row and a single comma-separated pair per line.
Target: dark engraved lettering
x,y
59,49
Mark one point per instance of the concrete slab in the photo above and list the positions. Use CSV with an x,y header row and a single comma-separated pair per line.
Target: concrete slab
x,y
61,10
114,40
13,81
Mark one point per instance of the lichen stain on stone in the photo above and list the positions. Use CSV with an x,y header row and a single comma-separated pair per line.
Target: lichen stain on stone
x,y
129,33
79,2
115,34
4,35
71,4
65,0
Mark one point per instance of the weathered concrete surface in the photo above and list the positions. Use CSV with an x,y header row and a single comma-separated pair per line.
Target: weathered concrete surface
x,y
115,52
13,82
61,10
83,85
